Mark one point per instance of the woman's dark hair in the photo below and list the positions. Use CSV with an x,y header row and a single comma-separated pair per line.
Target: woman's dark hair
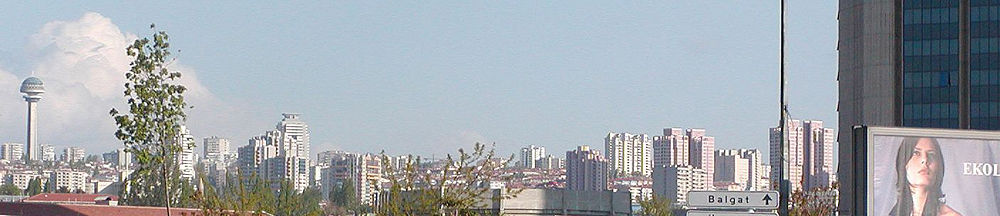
x,y
904,202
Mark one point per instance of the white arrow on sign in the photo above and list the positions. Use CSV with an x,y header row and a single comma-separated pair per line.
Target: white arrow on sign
x,y
733,199
729,213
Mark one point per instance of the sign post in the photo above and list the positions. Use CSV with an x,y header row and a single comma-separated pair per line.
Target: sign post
x,y
729,213
747,200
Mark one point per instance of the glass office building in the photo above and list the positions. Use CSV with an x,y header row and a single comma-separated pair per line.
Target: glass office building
x,y
934,63
915,63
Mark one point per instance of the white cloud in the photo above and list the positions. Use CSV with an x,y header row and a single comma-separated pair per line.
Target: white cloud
x,y
82,63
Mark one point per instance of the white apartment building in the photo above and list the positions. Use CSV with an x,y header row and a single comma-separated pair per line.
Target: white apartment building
x,y
629,154
72,180
742,167
73,154
296,133
586,170
21,179
362,170
671,149
186,158
703,154
48,152
530,154
12,151
278,155
216,148
680,147
674,182
810,158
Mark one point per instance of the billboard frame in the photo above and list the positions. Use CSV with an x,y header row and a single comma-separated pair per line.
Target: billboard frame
x,y
863,134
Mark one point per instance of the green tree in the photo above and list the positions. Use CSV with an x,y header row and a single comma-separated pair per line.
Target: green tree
x,y
150,127
816,201
655,207
62,189
49,187
10,189
458,187
34,187
343,198
239,196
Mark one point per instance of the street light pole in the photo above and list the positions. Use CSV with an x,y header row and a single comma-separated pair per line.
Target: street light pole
x,y
783,133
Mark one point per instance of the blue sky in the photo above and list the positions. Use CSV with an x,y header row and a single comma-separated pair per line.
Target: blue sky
x,y
423,78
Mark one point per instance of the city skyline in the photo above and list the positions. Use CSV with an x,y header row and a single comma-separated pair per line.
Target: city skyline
x,y
452,101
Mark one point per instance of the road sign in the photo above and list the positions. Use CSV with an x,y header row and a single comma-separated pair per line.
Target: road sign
x,y
733,199
729,213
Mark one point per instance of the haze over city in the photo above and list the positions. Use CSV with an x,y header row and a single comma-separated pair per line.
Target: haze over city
x,y
414,78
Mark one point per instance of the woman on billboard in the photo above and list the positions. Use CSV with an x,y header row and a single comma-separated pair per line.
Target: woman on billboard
x,y
919,173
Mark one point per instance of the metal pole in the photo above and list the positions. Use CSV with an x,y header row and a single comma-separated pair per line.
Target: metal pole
x,y
782,140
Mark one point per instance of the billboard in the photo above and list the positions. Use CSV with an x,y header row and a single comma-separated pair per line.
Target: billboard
x,y
930,171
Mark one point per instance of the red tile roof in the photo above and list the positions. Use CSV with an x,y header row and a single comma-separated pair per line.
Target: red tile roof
x,y
32,209
68,197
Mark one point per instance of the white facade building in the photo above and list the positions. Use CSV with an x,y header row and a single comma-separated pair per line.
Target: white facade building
x,y
12,151
671,149
364,171
278,155
674,182
216,148
742,167
48,152
186,158
586,170
72,180
629,154
73,154
21,179
531,154
810,158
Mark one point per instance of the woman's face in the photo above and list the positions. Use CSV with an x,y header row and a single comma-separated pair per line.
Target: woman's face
x,y
923,164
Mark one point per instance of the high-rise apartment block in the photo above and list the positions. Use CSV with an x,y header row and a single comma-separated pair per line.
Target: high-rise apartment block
x,y
703,153
364,171
216,149
740,167
279,154
671,149
810,158
73,154
680,147
72,180
186,159
629,154
48,153
118,158
915,63
549,162
12,151
531,154
296,134
674,182
586,169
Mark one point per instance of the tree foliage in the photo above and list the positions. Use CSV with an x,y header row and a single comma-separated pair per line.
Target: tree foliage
x,y
818,201
34,187
10,189
342,198
150,127
254,196
459,186
656,206
239,196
